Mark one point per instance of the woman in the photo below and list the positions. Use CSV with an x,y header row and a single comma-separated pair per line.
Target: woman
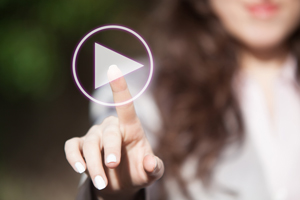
x,y
228,98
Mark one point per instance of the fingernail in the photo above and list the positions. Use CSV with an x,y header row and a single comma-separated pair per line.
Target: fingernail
x,y
113,73
79,167
99,183
111,158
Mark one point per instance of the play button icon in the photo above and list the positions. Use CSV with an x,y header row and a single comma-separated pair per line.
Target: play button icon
x,y
105,57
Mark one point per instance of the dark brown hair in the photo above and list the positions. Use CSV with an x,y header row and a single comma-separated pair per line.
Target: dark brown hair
x,y
193,89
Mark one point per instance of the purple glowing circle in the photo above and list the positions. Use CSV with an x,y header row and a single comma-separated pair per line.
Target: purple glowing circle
x,y
101,29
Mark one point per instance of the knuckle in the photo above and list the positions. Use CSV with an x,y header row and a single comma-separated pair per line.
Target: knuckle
x,y
111,130
72,155
90,145
67,144
92,139
70,142
113,133
94,129
110,119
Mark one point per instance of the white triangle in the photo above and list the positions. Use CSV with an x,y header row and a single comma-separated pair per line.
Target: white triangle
x,y
104,58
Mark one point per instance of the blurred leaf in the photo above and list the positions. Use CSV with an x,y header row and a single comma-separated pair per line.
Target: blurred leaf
x,y
27,61
67,16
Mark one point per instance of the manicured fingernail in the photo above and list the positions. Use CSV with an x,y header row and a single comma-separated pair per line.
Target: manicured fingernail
x,y
111,158
114,73
99,183
80,168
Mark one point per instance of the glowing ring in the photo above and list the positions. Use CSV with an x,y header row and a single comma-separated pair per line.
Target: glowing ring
x,y
101,29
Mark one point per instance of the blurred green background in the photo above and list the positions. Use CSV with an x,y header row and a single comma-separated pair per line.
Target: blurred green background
x,y
40,106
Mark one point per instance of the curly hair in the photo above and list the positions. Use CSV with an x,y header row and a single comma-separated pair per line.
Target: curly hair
x,y
198,62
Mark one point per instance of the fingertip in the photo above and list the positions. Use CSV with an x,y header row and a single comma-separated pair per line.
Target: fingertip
x,y
111,158
113,73
116,79
73,154
80,168
99,182
111,161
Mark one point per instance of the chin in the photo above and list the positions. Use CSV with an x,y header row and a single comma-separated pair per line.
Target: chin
x,y
263,41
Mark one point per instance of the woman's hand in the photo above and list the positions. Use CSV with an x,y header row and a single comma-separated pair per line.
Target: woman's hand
x,y
116,153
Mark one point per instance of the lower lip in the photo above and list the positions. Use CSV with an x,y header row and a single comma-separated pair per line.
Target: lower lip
x,y
264,11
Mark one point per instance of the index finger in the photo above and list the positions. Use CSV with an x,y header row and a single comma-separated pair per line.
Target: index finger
x,y
126,113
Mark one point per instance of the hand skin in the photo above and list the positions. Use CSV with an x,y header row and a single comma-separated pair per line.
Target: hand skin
x,y
135,167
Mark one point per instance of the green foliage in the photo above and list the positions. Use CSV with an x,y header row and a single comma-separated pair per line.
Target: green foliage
x,y
34,35
28,61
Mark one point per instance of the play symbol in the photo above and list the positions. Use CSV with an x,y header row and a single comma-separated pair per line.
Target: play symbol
x,y
104,58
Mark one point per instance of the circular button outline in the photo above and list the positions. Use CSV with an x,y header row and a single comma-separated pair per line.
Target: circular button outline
x,y
101,29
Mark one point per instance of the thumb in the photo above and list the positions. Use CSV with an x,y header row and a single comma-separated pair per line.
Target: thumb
x,y
153,166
